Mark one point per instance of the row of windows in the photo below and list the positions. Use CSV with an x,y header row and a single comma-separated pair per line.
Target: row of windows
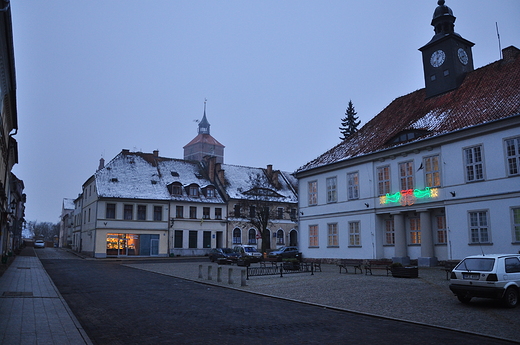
x,y
193,241
280,211
128,212
253,236
473,166
479,230
179,212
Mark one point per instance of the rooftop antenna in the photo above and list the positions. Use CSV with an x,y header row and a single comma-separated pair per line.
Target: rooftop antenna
x,y
499,44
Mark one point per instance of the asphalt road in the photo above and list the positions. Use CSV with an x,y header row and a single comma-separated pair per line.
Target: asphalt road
x,y
121,305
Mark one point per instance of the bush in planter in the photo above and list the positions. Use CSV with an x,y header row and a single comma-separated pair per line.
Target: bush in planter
x,y
400,271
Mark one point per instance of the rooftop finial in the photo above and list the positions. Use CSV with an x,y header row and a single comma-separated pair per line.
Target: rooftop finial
x,y
440,2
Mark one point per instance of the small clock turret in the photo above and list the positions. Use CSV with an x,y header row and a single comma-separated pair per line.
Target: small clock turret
x,y
447,57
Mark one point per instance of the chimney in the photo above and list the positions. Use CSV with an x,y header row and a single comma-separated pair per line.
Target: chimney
x,y
211,168
101,164
269,170
156,153
510,54
221,175
275,180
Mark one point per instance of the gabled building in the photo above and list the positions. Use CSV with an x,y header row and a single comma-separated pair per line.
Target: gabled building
x,y
66,223
434,176
262,204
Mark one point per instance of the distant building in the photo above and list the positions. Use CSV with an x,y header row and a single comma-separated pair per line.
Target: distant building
x,y
66,223
434,176
142,204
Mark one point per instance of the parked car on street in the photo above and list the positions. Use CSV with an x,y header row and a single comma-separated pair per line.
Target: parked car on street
x,y
39,244
494,276
284,253
223,255
248,251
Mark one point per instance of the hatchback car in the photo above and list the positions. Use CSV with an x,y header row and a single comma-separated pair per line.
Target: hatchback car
x,y
39,244
223,255
489,276
284,252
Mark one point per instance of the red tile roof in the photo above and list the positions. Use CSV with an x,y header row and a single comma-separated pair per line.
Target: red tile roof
x,y
487,94
206,139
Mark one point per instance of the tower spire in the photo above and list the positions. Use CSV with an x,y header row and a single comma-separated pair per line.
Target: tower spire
x,y
204,124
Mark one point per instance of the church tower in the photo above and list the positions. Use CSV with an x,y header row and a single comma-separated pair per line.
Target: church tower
x,y
204,144
447,57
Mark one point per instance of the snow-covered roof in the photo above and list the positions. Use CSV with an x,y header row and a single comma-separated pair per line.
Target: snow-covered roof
x,y
243,182
487,94
137,175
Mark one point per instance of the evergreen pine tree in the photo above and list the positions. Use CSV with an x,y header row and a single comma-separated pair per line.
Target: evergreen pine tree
x,y
349,123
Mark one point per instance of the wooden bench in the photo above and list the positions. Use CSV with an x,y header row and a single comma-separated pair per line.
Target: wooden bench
x,y
378,265
355,263
449,265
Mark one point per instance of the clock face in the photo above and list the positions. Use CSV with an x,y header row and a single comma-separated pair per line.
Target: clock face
x,y
463,57
437,58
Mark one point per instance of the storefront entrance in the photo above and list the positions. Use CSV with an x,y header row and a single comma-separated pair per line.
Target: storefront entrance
x,y
132,245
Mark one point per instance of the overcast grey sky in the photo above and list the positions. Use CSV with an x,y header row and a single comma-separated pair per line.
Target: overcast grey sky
x,y
95,77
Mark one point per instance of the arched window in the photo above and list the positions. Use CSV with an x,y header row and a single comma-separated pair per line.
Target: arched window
x,y
293,238
175,188
252,236
279,237
237,236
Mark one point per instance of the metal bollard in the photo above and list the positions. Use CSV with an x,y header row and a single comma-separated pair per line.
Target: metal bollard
x,y
219,274
200,271
210,272
243,278
230,276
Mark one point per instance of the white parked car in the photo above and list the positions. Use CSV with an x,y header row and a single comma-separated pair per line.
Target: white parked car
x,y
39,244
489,276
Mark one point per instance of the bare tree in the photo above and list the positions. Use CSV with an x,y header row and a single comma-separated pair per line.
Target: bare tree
x,y
43,230
260,206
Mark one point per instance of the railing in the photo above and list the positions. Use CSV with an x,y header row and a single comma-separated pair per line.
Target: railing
x,y
283,268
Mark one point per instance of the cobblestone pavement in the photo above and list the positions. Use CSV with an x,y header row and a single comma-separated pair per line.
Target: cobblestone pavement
x,y
425,300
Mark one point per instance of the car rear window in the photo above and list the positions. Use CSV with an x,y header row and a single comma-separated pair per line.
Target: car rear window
x,y
477,264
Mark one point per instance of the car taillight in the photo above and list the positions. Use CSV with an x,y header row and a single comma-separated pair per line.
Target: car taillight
x,y
453,275
492,278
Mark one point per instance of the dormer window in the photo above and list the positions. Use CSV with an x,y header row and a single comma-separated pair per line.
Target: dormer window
x,y
407,135
175,188
193,190
210,192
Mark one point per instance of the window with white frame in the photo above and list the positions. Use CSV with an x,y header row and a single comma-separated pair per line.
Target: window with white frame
x,y
313,193
415,231
237,236
383,180
313,236
251,237
353,185
474,163
441,230
432,171
279,237
406,175
354,234
332,235
389,232
128,212
478,227
332,195
513,156
516,224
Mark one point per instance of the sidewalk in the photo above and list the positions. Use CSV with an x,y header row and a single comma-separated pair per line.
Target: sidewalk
x,y
32,310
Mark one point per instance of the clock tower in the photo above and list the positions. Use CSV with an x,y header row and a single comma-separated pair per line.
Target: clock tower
x,y
447,57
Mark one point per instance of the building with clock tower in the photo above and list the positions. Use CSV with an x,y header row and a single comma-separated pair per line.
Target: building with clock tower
x,y
435,176
447,58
